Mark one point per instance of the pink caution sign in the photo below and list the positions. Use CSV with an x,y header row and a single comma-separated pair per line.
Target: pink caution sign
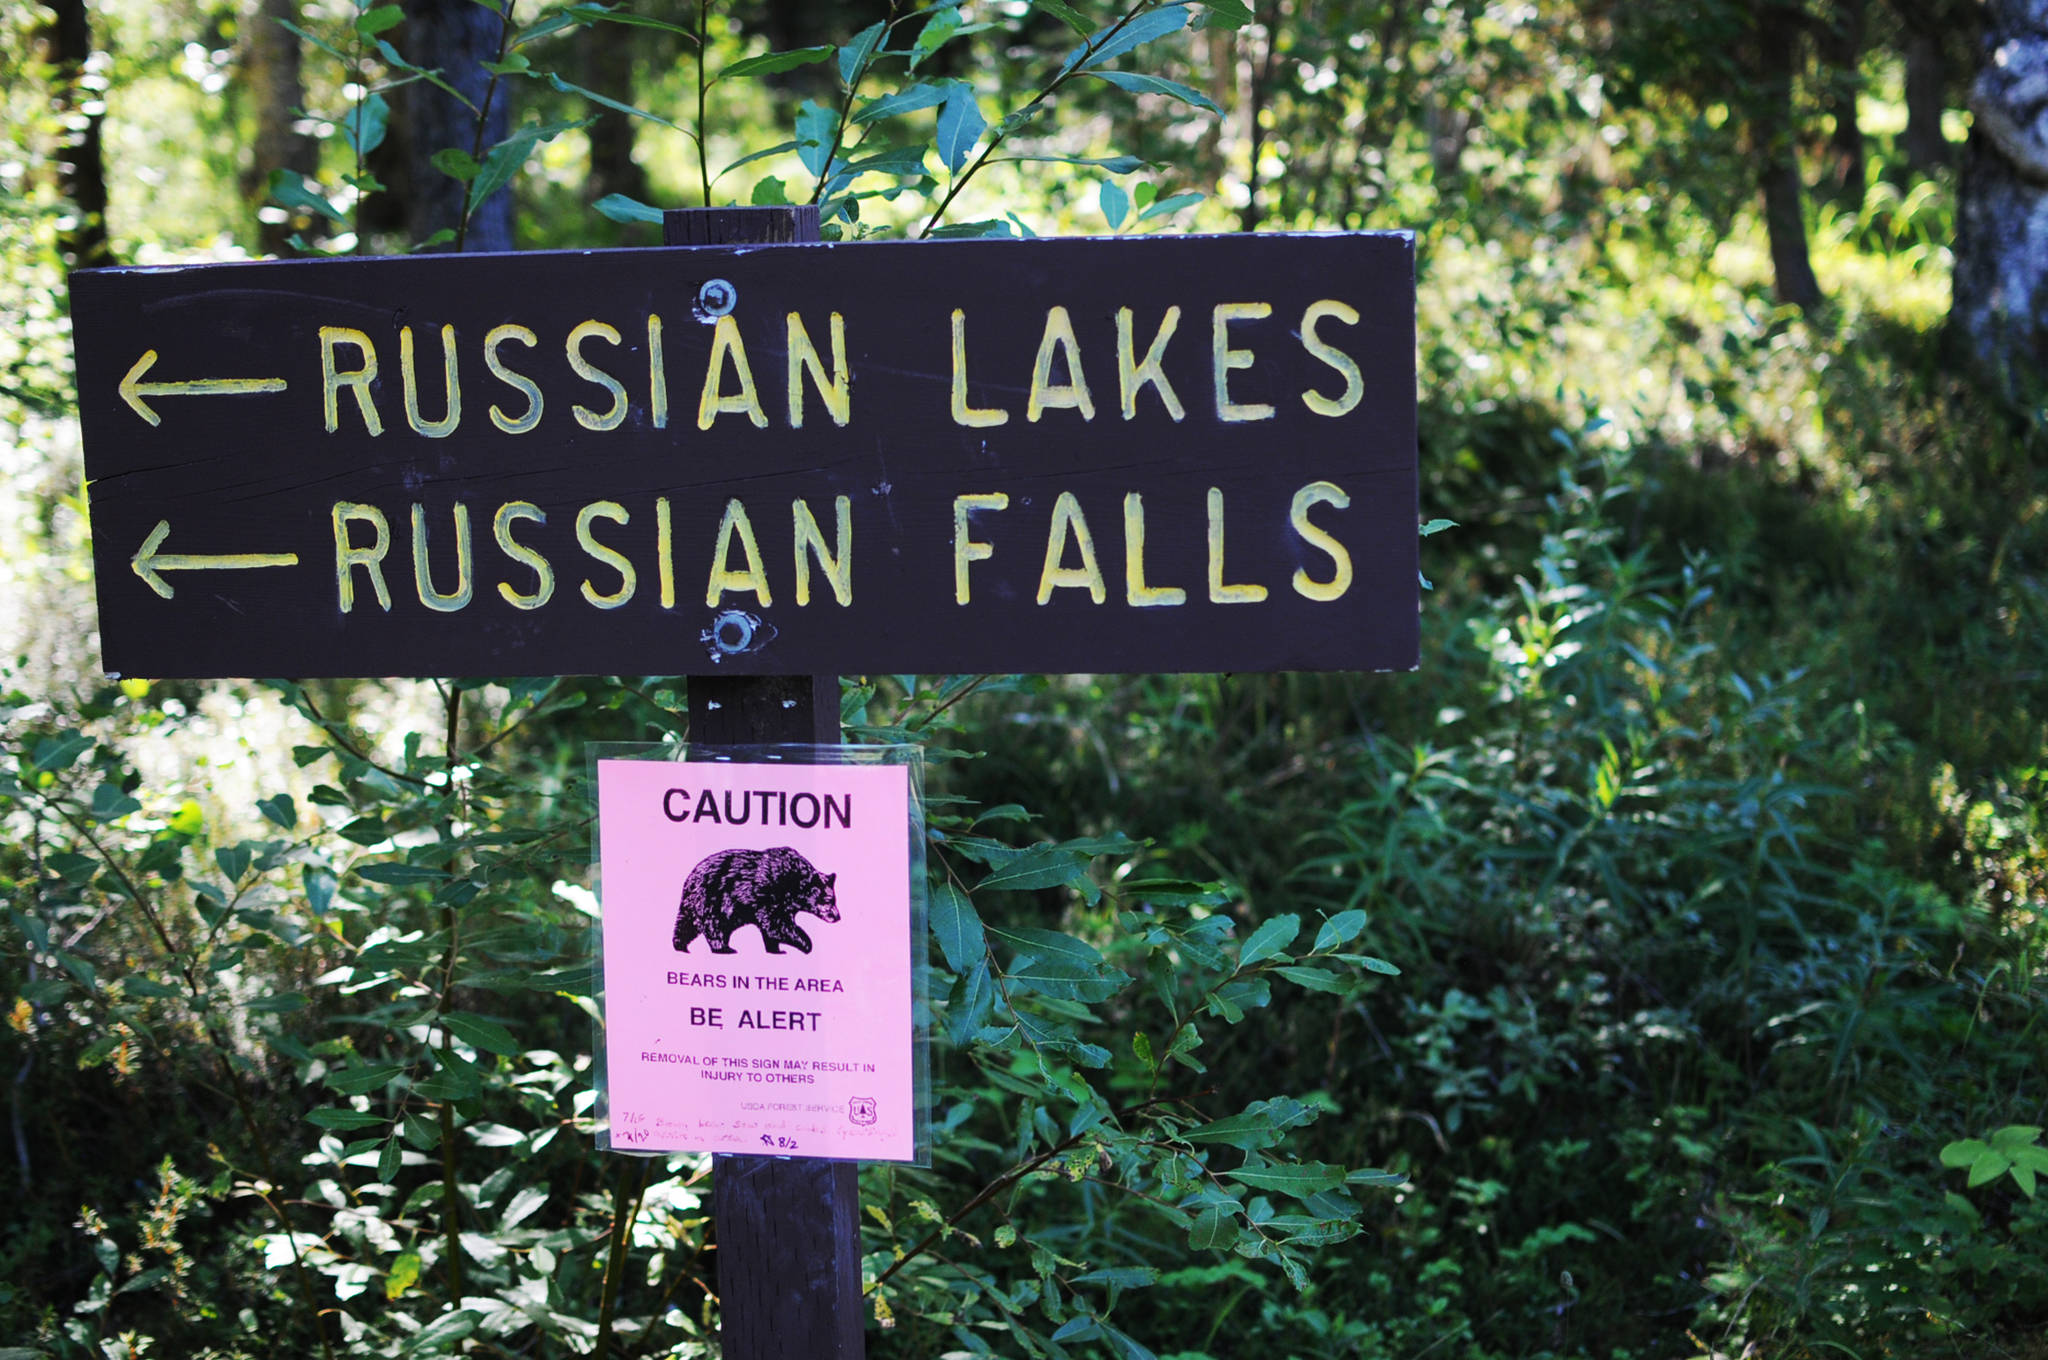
x,y
757,958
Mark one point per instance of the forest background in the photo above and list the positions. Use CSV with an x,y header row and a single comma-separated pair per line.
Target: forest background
x,y
1701,865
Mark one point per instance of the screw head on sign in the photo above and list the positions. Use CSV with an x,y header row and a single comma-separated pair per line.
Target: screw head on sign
x,y
717,297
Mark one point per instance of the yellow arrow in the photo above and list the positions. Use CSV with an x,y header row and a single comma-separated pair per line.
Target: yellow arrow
x,y
148,561
133,389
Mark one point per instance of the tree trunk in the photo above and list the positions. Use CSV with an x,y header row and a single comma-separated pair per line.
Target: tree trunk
x,y
271,59
78,103
608,69
1842,55
1926,96
455,37
2000,313
1771,129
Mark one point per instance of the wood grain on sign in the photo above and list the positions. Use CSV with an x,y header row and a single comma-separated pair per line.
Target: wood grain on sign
x,y
1115,455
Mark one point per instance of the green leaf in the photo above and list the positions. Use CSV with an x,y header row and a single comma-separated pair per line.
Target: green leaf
x,y
1066,14
855,56
1116,204
382,19
770,192
357,1081
938,30
1043,866
364,126
958,927
960,126
522,1207
405,1273
1371,964
1298,1179
620,208
974,997
478,1032
61,752
773,63
332,1117
1342,928
1122,1277
1115,41
110,803
606,101
1989,1166
456,163
909,99
279,810
1437,526
1171,204
233,861
1116,165
1315,979
396,872
444,1332
1226,13
390,1160
1261,1125
815,126
288,189
1962,1152
282,1003
1376,1179
1269,939
1137,82
1215,1229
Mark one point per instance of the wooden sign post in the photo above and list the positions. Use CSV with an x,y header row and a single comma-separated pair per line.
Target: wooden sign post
x,y
788,1229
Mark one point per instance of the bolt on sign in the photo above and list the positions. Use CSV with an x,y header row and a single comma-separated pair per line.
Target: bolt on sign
x,y
1116,455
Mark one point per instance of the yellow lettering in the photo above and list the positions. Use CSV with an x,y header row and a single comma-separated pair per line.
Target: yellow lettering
x,y
422,576
544,575
518,382
963,414
1219,593
726,344
445,426
332,380
629,580
723,577
810,539
1225,358
1059,335
1306,499
1130,377
837,394
1069,522
665,552
348,556
965,549
1136,592
589,372
657,374
1354,382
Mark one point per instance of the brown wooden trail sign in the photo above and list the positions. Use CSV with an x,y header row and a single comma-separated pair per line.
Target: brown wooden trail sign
x,y
1107,455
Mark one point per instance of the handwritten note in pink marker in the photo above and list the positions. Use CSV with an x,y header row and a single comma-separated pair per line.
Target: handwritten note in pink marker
x,y
757,981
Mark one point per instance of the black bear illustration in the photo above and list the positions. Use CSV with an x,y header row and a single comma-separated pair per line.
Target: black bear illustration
x,y
764,888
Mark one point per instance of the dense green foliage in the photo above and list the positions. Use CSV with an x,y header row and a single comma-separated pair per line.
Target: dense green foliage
x,y
1669,940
